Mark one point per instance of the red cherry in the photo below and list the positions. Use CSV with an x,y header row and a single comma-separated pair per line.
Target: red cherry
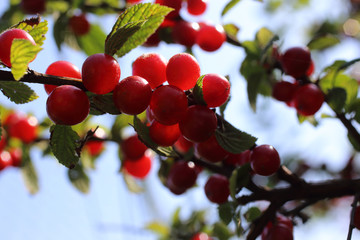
x,y
210,37
238,159
3,140
182,175
100,73
133,1
216,89
281,229
168,104
33,6
175,4
182,71
6,39
265,160
164,135
133,148
95,147
153,40
201,236
296,61
185,33
308,99
217,189
79,25
210,150
61,69
284,91
12,117
183,145
24,128
311,69
196,7
67,105
152,67
5,160
16,156
198,124
132,95
138,168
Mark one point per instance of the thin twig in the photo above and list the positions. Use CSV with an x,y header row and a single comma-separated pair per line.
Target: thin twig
x,y
352,216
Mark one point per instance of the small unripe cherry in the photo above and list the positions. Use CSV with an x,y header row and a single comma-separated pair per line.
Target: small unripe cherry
x,y
132,95
296,61
265,160
185,33
79,25
168,104
308,99
100,73
152,67
217,188
164,135
216,89
61,69
198,123
182,71
6,39
67,105
196,7
132,147
210,37
210,150
138,168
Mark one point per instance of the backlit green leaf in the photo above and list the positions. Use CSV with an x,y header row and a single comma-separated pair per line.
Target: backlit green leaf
x,y
79,178
229,6
92,42
252,214
22,53
18,92
198,91
131,183
263,37
35,28
336,98
226,212
28,172
323,42
239,179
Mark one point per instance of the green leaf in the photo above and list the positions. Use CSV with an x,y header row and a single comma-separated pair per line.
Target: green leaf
x,y
92,42
226,212
64,143
263,37
229,6
354,143
322,42
198,91
119,38
100,104
231,30
252,214
239,179
232,139
35,28
18,92
28,172
336,98
60,29
158,228
221,231
152,15
131,183
143,132
79,178
22,53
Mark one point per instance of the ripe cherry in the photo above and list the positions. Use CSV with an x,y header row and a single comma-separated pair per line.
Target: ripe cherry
x,y
132,147
210,37
216,89
196,7
210,150
198,124
153,40
100,73
185,33
95,147
265,160
33,6
67,105
183,145
182,71
3,140
5,160
61,69
6,39
79,24
168,104
152,67
16,156
284,91
280,229
182,175
138,168
24,128
175,4
201,236
238,159
296,61
217,189
133,1
164,135
132,95
308,99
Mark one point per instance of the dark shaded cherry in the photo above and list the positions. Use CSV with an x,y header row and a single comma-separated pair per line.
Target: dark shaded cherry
x,y
265,160
210,150
217,189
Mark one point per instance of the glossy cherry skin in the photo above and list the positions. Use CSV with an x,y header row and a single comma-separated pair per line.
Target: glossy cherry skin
x,y
138,168
284,91
132,95
132,147
185,33
201,236
182,71
100,73
196,7
79,25
93,147
6,39
296,61
217,189
265,160
164,135
16,156
182,175
210,150
280,229
61,69
198,124
238,159
152,67
168,104
216,89
33,6
183,145
67,105
5,160
210,37
25,128
308,99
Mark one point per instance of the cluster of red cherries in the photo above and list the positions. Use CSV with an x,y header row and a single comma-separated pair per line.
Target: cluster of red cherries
x,y
306,97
